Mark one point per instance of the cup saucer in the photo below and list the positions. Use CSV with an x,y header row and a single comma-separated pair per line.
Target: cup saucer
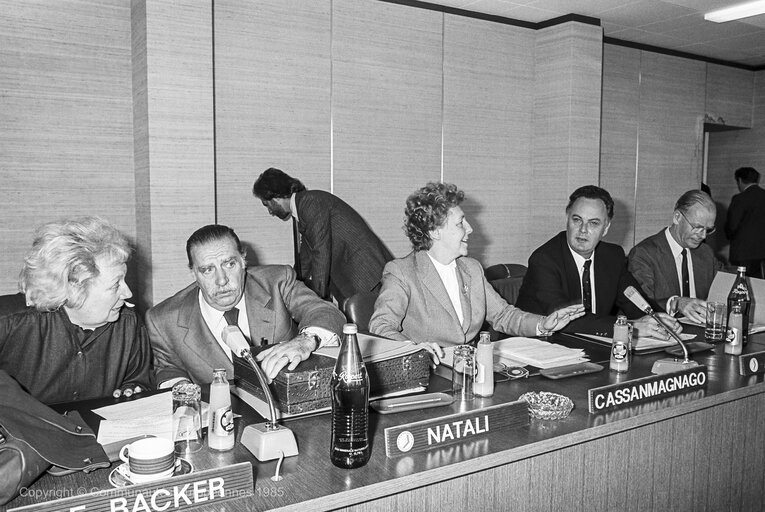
x,y
118,477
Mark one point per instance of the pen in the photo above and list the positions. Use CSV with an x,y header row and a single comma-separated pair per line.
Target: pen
x,y
416,402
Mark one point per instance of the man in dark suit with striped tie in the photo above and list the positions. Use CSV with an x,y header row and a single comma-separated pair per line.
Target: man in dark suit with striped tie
x,y
577,266
338,253
675,267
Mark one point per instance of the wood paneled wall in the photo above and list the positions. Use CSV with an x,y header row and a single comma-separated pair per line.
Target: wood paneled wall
x,y
729,150
652,137
567,111
488,95
173,126
66,140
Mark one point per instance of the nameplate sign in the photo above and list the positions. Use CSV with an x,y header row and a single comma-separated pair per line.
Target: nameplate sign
x,y
635,391
455,428
203,489
751,364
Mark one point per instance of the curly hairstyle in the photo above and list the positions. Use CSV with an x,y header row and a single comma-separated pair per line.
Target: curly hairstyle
x,y
427,209
61,264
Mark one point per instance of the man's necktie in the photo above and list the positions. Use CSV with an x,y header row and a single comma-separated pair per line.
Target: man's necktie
x,y
296,244
686,278
586,287
232,316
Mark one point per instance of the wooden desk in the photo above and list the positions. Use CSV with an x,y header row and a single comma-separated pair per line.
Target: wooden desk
x,y
704,450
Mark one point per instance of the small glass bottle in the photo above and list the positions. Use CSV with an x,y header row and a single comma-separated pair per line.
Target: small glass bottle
x,y
220,433
741,295
349,443
484,358
620,348
734,339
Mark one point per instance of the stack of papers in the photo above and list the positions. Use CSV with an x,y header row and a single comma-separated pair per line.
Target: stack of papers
x,y
643,343
527,351
537,353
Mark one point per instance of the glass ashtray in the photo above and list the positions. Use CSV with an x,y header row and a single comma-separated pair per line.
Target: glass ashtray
x,y
547,406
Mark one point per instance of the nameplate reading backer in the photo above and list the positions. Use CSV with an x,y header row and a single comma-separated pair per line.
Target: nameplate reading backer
x,y
751,364
208,489
634,391
445,430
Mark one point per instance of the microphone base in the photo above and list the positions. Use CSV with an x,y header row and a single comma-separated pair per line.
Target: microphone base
x,y
669,365
268,443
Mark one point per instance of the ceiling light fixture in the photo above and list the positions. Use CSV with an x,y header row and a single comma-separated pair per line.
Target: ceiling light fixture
x,y
736,12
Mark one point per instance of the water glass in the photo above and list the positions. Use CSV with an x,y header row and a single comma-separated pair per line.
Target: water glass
x,y
715,324
463,373
187,418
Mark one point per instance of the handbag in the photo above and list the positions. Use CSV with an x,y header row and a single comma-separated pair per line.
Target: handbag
x,y
35,438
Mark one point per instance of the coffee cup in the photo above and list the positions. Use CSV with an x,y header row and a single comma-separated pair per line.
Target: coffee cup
x,y
149,459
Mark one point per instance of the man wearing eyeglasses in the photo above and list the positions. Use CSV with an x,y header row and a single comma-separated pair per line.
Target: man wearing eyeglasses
x,y
675,267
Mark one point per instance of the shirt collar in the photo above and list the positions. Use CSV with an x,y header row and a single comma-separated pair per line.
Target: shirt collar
x,y
293,207
675,247
213,315
440,266
579,259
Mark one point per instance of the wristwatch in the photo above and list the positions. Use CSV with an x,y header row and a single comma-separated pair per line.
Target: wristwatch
x,y
316,338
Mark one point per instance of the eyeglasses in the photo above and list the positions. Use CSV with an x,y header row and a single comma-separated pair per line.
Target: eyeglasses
x,y
510,372
697,228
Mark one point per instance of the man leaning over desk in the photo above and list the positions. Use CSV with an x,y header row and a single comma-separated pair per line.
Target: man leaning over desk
x,y
266,302
576,266
675,267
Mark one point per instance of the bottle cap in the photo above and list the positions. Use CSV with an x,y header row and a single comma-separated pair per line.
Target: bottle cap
x,y
741,269
484,337
350,329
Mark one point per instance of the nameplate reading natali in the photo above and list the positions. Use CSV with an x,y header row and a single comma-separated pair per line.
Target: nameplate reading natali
x,y
439,432
635,391
208,488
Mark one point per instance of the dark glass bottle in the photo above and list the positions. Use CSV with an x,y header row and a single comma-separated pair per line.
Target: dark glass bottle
x,y
349,446
740,294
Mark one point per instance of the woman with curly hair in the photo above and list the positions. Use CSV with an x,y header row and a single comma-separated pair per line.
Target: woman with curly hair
x,y
75,339
438,296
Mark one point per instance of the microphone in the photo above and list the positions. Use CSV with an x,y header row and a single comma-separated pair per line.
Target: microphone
x,y
666,365
269,440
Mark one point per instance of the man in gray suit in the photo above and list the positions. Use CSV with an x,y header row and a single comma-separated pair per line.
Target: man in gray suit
x,y
338,253
267,303
675,267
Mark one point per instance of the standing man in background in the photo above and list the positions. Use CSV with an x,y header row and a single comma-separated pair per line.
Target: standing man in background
x,y
745,226
336,253
675,267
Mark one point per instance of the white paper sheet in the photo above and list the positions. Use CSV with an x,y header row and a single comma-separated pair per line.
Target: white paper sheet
x,y
112,431
160,404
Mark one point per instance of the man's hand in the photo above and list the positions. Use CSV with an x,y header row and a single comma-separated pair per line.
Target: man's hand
x,y
694,309
648,327
557,320
290,353
435,350
127,391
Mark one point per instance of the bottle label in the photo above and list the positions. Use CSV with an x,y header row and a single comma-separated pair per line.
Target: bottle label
x,y
733,336
223,421
480,374
619,351
349,377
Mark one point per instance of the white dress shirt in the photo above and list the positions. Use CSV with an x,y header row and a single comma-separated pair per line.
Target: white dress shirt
x,y
677,253
579,262
448,275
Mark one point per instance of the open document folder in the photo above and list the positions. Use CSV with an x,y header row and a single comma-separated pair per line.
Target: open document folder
x,y
521,351
720,289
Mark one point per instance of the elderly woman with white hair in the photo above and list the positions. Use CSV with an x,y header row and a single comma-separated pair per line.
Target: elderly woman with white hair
x,y
75,340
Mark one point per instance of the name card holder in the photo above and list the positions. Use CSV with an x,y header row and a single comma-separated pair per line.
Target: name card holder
x,y
207,489
445,430
751,364
631,392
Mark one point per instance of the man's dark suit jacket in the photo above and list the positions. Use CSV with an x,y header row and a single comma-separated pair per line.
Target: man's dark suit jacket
x,y
652,264
745,226
339,253
552,282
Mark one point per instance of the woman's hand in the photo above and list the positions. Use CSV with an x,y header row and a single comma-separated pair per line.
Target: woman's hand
x,y
436,352
557,320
